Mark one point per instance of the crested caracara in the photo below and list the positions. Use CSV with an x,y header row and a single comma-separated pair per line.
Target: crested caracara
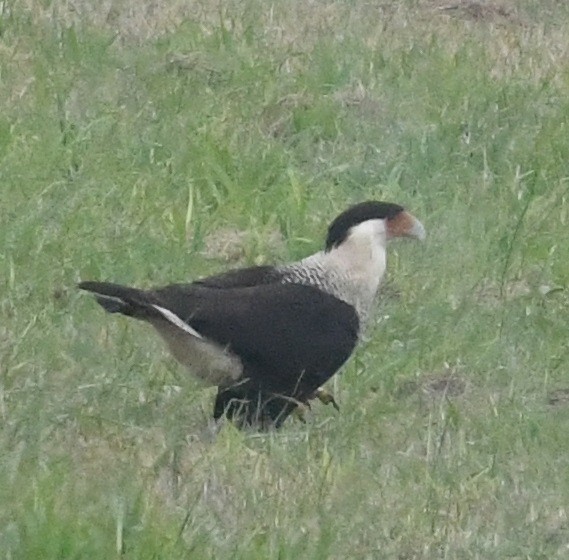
x,y
269,337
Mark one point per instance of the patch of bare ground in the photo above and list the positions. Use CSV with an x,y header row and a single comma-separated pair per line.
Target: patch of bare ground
x,y
448,383
360,100
486,12
558,397
226,243
492,294
233,245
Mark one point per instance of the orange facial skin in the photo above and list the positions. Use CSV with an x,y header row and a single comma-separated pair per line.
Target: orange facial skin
x,y
405,225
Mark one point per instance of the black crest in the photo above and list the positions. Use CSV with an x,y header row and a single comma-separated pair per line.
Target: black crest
x,y
370,210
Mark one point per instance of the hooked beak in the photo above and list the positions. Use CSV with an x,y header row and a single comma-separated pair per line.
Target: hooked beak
x,y
406,225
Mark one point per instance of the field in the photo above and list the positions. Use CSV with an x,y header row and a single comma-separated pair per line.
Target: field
x,y
153,142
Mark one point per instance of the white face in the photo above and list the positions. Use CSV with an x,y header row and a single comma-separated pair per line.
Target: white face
x,y
368,233
363,254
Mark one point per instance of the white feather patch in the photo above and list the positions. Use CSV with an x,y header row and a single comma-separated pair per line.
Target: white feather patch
x,y
175,320
110,298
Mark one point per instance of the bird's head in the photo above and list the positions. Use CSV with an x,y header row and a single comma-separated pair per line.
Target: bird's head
x,y
373,221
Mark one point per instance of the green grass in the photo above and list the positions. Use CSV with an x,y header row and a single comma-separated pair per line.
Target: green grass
x,y
130,135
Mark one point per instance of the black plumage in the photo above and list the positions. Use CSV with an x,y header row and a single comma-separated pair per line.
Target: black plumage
x,y
267,326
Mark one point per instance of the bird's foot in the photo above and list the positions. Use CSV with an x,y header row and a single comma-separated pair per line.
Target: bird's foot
x,y
325,397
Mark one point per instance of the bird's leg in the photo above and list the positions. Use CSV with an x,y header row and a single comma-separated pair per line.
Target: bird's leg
x,y
301,410
325,397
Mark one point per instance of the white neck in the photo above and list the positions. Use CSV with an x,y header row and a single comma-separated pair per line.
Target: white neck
x,y
355,268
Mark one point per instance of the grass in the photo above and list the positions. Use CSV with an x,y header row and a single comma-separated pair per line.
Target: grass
x,y
130,136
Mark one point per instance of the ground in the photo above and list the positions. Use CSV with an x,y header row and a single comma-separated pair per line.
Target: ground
x,y
156,141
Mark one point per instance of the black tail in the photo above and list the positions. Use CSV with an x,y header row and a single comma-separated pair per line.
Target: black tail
x,y
115,298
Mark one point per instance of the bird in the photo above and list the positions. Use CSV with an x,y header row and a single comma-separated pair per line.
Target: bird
x,y
269,337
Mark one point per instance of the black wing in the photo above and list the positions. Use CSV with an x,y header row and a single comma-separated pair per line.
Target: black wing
x,y
291,338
